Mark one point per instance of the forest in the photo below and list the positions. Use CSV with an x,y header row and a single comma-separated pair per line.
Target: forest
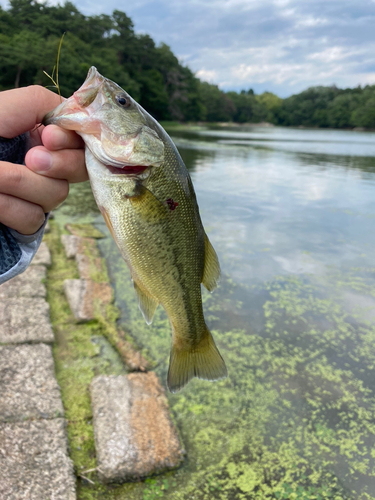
x,y
29,37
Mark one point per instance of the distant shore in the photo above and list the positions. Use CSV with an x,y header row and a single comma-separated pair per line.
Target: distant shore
x,y
174,124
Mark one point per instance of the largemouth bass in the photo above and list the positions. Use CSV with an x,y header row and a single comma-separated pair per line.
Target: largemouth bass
x,y
147,199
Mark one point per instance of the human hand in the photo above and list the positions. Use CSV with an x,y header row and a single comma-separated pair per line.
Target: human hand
x,y
55,160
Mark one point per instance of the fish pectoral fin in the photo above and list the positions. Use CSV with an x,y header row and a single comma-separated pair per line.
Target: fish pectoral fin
x,y
148,206
108,221
211,273
146,303
203,361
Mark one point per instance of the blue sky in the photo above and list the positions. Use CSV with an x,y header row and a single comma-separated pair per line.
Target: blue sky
x,y
283,46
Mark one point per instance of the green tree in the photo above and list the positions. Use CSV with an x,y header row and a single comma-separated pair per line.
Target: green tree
x,y
218,106
29,36
272,103
365,115
340,110
16,56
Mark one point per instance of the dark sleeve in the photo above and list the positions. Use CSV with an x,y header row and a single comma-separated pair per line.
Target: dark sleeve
x,y
14,151
16,250
10,252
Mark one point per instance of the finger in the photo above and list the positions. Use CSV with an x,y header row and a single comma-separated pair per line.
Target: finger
x,y
56,138
21,215
21,109
66,164
19,181
36,136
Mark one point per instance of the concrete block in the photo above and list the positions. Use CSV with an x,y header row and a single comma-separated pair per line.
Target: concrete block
x,y
28,388
134,434
27,284
86,253
71,244
43,256
84,295
24,319
83,263
34,462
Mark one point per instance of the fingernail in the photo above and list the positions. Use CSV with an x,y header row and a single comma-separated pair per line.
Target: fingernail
x,y
41,161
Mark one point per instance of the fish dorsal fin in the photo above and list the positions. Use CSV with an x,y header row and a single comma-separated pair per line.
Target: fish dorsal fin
x,y
211,273
146,303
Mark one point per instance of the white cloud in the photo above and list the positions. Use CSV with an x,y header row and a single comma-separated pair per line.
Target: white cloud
x,y
210,76
331,54
282,3
280,45
311,21
239,68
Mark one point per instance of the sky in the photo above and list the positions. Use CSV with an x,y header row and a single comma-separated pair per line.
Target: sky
x,y
281,46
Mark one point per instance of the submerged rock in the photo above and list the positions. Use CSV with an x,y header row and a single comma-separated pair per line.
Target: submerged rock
x,y
71,244
84,230
134,434
84,295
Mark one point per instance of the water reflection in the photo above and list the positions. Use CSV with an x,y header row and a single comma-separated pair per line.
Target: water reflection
x,y
291,214
267,208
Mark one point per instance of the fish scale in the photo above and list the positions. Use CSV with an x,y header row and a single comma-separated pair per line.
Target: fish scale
x,y
147,199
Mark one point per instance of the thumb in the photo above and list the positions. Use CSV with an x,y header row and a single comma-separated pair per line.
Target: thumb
x,y
21,109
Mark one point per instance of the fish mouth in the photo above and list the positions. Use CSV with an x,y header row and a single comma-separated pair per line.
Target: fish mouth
x,y
127,170
72,113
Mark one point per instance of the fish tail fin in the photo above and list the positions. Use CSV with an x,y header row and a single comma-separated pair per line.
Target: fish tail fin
x,y
203,361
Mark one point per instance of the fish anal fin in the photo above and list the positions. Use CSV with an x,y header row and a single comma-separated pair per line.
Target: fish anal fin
x,y
211,273
203,361
146,303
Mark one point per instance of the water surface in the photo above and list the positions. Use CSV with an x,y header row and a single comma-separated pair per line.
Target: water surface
x,y
291,214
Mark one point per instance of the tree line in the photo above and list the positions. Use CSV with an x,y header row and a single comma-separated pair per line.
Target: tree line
x,y
29,37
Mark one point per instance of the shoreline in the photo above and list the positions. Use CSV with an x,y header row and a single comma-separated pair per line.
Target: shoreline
x,y
173,124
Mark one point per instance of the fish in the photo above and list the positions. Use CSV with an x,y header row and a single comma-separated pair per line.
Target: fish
x,y
147,199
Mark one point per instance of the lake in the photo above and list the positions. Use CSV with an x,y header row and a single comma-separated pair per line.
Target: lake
x,y
291,214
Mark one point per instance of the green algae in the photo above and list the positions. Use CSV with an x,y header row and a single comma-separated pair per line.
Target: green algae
x,y
79,204
81,351
294,420
85,231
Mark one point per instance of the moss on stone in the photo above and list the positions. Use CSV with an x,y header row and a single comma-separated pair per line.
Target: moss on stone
x,y
81,352
84,230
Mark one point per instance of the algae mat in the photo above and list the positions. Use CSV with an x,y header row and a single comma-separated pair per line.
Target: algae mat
x,y
293,317
295,418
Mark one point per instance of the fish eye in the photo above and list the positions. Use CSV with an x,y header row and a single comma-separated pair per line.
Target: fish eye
x,y
122,100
